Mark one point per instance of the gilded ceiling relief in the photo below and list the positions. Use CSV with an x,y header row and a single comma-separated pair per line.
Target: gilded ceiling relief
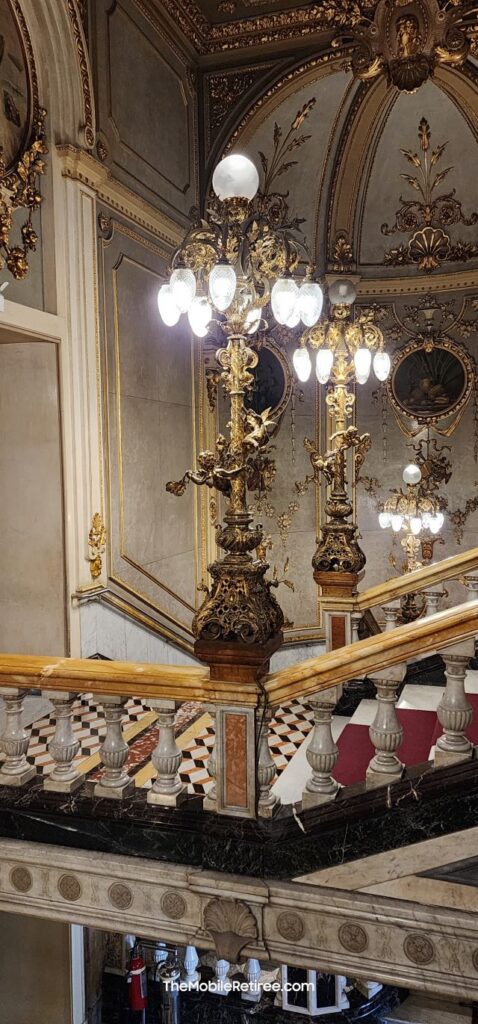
x,y
428,217
224,90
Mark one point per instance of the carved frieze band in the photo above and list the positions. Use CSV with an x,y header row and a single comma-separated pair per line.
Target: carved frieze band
x,y
360,934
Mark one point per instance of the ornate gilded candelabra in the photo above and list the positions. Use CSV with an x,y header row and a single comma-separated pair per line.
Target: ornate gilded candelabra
x,y
345,347
416,514
229,268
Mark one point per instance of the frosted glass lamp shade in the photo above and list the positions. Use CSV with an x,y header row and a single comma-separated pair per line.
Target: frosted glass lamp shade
x,y
363,362
235,177
167,307
323,365
311,299
342,292
302,364
415,525
284,297
396,523
412,474
384,520
183,288
294,319
222,285
436,522
199,316
253,320
381,365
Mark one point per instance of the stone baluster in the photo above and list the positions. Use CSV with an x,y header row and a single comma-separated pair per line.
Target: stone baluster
x,y
268,803
391,612
454,711
471,583
115,782
220,985
355,619
190,973
433,598
386,733
210,800
252,972
322,753
15,770
65,777
167,789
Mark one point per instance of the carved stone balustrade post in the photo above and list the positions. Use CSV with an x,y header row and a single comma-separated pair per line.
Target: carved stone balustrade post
x,y
454,711
191,974
391,612
115,783
471,584
386,733
433,598
65,777
210,800
167,789
252,972
220,984
322,753
355,620
268,803
15,770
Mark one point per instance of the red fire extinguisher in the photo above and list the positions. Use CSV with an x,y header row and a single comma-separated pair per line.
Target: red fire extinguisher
x,y
137,990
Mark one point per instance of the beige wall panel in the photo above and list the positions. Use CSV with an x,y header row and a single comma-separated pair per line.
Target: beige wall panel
x,y
32,601
34,970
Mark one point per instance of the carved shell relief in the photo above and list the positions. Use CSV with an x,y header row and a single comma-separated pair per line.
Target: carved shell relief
x,y
232,926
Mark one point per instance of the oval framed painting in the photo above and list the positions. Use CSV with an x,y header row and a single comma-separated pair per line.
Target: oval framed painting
x,y
431,380
272,386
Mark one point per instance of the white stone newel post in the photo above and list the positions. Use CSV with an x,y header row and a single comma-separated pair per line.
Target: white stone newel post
x,y
64,746
454,711
322,753
210,800
268,803
115,783
386,733
252,972
191,960
15,770
167,789
220,984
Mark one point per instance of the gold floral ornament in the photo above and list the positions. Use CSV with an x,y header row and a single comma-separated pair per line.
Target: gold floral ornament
x,y
96,545
19,190
428,217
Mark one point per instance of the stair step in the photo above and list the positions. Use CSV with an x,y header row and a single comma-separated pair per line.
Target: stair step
x,y
419,1009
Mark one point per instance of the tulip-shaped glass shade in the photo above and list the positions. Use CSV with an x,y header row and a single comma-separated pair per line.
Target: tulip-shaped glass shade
x,y
426,520
363,362
235,177
167,307
396,523
412,474
284,296
199,316
311,299
222,285
183,288
294,319
415,525
323,365
302,364
253,320
342,292
436,522
381,365
384,520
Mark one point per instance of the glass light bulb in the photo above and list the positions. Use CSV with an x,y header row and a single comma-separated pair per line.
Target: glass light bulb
x,y
235,177
384,520
363,362
323,365
284,296
412,474
381,365
222,285
415,525
342,292
302,364
183,287
199,316
396,523
167,307
253,320
311,299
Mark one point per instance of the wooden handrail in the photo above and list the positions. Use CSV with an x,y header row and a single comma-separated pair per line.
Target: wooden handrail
x,y
419,579
121,679
375,653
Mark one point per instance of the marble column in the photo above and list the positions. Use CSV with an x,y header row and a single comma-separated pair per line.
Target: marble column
x,y
167,789
64,746
454,713
268,803
15,770
322,753
115,783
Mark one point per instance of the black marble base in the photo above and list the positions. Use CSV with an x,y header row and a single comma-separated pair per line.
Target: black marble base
x,y
424,804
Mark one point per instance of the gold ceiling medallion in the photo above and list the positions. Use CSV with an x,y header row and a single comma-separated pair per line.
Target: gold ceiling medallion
x,y
23,142
428,217
405,41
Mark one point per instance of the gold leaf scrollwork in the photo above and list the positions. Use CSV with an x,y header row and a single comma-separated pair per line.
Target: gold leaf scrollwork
x,y
19,190
96,545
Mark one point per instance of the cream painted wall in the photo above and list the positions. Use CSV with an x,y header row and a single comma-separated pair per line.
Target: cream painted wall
x,y
32,569
35,981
